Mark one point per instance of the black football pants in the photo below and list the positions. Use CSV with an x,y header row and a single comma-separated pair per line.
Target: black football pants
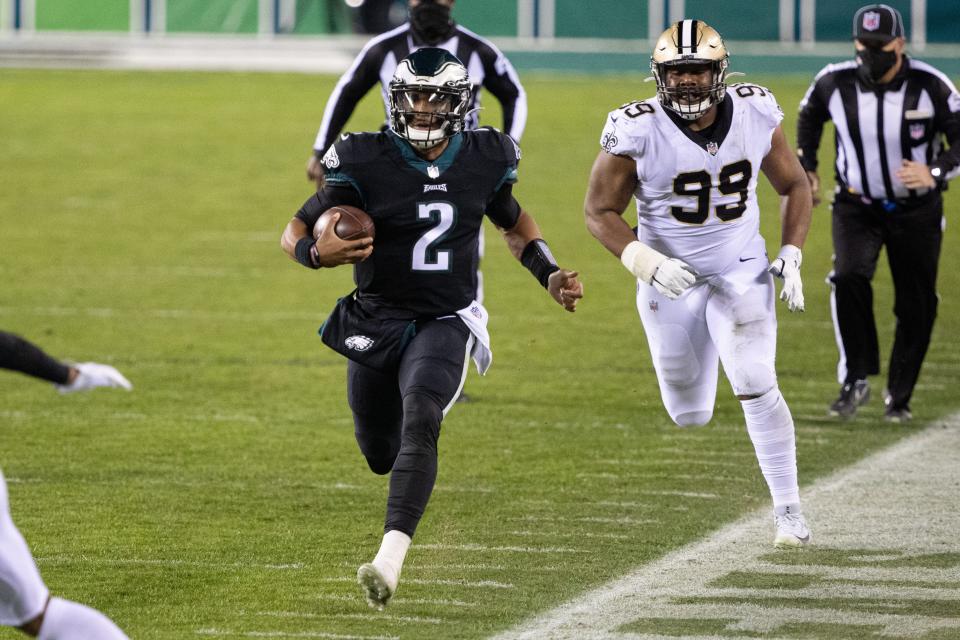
x,y
18,354
912,238
397,415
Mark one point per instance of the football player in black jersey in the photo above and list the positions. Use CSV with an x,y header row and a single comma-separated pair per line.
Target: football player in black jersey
x,y
412,324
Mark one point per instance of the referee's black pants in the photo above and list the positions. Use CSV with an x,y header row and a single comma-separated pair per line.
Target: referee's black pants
x,y
913,238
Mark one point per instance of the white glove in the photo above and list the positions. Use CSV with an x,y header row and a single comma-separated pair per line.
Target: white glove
x,y
92,375
673,277
787,267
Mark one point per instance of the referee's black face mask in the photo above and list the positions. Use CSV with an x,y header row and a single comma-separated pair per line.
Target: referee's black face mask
x,y
431,21
874,63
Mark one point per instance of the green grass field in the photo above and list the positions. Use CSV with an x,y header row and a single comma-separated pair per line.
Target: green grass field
x,y
140,217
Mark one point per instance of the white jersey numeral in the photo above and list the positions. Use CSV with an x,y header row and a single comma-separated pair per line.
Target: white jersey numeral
x,y
425,256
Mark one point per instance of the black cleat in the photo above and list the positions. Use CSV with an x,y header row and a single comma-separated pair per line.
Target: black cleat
x,y
893,413
852,395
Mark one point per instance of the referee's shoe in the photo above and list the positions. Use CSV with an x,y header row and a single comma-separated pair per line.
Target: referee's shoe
x,y
852,395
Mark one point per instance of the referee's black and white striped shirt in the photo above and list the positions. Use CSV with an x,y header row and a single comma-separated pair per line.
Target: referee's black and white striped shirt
x,y
486,66
877,127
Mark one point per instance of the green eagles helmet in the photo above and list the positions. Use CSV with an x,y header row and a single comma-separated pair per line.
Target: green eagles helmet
x,y
429,97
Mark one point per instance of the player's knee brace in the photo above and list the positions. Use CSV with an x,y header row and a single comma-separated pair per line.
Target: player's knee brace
x,y
677,363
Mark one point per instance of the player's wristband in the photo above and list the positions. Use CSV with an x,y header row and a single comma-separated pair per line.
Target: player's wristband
x,y
306,253
537,258
641,260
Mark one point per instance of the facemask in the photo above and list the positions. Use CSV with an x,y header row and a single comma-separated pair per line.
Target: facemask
x,y
431,21
874,63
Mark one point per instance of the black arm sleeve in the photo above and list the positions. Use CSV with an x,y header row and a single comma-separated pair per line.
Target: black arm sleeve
x,y
810,121
948,123
329,196
18,354
502,86
353,85
503,209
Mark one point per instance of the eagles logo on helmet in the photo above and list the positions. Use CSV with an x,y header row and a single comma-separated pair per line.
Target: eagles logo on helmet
x,y
429,96
692,44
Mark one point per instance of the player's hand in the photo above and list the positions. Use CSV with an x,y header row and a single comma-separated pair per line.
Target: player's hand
x,y
334,252
565,288
814,180
915,175
314,170
673,277
787,267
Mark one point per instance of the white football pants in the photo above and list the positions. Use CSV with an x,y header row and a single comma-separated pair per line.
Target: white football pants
x,y
728,318
22,593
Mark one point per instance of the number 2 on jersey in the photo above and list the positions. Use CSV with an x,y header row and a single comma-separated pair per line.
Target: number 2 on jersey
x,y
426,257
733,178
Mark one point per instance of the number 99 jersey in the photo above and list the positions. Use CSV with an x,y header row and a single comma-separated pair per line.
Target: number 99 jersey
x,y
697,197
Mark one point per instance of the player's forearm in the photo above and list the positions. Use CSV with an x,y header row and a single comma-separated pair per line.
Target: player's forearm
x,y
795,213
610,229
292,234
521,234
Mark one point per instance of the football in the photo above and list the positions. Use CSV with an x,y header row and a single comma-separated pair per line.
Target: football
x,y
353,224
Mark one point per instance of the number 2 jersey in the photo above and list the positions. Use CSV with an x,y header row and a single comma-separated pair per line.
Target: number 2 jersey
x,y
696,197
427,214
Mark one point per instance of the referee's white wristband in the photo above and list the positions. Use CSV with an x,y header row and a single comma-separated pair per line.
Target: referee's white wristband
x,y
641,260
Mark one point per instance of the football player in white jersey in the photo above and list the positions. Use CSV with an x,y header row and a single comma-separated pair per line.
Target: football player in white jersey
x,y
25,601
705,291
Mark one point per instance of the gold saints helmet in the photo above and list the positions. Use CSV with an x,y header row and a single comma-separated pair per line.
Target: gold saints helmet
x,y
690,42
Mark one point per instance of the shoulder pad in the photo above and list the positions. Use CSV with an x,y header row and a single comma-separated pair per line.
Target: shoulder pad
x,y
496,145
627,127
352,149
760,99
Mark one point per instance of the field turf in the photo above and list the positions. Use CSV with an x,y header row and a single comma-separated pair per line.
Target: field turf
x,y
225,497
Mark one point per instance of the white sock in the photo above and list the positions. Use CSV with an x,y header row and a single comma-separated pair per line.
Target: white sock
x,y
770,426
66,620
392,552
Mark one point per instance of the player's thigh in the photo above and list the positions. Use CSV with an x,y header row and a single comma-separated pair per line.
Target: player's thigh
x,y
374,399
434,364
743,324
683,354
22,592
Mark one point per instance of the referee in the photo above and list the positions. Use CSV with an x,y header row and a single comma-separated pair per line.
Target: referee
x,y
891,114
430,25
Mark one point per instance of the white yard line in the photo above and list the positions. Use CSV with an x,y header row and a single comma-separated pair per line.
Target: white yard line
x,y
287,634
896,504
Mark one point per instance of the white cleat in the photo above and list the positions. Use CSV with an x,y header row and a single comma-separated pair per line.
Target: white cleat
x,y
92,375
378,583
792,531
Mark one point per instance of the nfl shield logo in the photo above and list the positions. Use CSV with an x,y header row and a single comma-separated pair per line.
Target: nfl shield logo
x,y
433,171
712,148
917,131
871,21
654,305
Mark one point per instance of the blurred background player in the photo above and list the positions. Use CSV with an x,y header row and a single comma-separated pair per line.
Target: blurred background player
x,y
20,355
414,312
430,25
705,290
890,167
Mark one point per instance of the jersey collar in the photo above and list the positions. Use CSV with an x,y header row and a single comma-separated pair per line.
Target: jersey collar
x,y
434,169
720,127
